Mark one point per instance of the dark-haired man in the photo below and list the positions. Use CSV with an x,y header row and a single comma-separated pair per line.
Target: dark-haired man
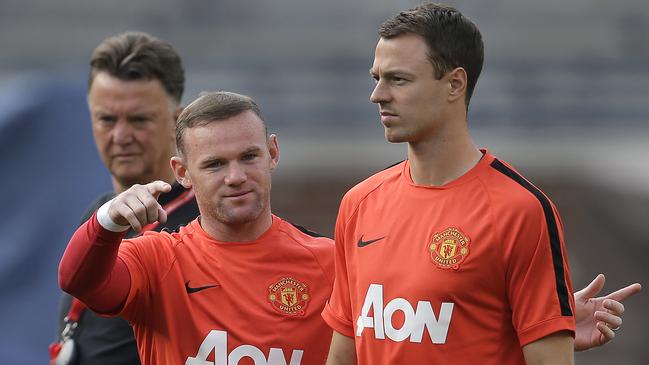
x,y
135,88
450,256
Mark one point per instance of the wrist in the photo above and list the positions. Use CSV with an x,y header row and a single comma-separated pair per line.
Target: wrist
x,y
106,221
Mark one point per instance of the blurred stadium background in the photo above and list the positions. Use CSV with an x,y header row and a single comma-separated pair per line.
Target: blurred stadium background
x,y
564,96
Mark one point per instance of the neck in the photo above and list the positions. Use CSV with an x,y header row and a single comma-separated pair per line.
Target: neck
x,y
243,232
444,158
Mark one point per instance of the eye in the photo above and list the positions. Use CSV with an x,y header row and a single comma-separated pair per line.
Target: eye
x,y
249,156
139,119
399,80
106,119
214,164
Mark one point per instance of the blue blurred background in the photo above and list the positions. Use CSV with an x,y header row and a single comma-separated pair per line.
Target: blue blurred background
x,y
564,96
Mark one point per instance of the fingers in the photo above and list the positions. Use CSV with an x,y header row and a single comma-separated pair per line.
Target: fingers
x,y
162,215
607,333
626,292
592,289
608,319
157,187
614,307
138,206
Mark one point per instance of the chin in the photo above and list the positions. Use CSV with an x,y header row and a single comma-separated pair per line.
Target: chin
x,y
392,138
237,216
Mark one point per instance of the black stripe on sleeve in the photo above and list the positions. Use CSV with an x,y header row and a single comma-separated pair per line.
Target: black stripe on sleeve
x,y
307,231
553,232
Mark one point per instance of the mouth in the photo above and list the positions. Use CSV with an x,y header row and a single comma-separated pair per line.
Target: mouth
x,y
124,156
387,117
238,194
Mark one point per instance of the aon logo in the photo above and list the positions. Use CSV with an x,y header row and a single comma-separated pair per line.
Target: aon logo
x,y
415,319
217,342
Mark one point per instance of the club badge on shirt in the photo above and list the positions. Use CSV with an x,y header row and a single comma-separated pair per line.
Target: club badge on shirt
x,y
289,296
449,248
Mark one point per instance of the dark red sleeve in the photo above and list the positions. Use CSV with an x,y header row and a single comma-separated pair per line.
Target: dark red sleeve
x,y
90,269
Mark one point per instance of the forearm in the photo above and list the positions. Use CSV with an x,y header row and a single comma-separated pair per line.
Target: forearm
x,y
555,349
90,269
342,350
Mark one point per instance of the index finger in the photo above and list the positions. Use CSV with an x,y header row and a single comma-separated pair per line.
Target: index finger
x,y
157,187
625,292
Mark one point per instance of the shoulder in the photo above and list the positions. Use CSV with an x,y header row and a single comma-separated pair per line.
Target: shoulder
x,y
367,187
516,201
512,187
304,236
319,246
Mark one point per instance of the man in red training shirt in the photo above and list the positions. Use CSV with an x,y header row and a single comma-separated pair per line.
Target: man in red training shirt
x,y
451,256
238,285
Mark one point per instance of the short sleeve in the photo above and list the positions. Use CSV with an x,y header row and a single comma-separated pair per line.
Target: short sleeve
x,y
337,311
538,279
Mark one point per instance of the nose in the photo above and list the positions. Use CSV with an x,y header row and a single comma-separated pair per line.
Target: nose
x,y
122,132
236,175
380,94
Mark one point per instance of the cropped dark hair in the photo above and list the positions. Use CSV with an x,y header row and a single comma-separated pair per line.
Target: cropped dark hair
x,y
210,107
139,56
453,40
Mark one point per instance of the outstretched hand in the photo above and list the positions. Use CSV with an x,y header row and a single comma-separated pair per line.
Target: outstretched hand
x,y
138,206
597,317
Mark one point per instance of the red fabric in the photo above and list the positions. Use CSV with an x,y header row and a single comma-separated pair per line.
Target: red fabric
x,y
261,303
90,269
461,273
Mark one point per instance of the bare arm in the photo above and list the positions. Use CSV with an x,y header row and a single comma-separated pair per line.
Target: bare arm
x,y
555,349
342,350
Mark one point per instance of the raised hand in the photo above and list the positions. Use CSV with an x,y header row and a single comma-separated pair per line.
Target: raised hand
x,y
138,206
599,318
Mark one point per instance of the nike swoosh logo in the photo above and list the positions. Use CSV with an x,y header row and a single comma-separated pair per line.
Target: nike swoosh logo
x,y
191,290
362,243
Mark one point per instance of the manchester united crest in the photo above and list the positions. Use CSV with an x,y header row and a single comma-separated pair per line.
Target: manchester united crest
x,y
449,248
289,296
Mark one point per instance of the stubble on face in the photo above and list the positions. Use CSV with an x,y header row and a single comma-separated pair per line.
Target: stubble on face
x,y
230,167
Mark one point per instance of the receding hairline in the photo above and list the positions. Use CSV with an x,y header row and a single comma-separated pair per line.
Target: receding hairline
x,y
173,103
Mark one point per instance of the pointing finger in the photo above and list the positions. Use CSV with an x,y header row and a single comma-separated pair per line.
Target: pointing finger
x,y
157,187
625,292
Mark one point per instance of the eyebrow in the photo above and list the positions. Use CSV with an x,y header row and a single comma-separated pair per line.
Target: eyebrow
x,y
251,149
391,73
212,159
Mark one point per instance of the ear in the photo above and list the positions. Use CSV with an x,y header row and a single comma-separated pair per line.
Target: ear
x,y
273,150
457,80
180,171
